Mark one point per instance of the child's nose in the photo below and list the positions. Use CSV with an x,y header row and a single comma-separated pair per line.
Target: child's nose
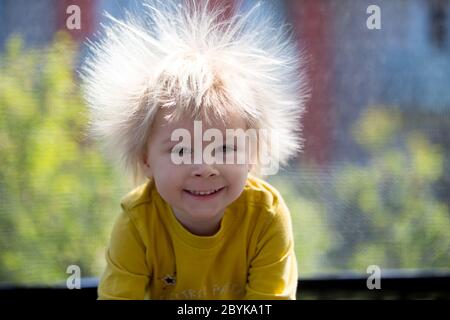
x,y
204,170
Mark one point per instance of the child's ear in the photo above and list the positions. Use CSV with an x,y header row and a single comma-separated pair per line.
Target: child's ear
x,y
147,168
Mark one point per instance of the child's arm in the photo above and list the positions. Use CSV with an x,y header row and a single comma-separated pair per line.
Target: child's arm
x,y
127,273
273,270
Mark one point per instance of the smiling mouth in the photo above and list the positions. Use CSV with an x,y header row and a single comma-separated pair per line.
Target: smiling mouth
x,y
203,193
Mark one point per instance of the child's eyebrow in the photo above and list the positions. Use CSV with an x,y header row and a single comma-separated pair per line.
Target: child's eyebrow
x,y
170,141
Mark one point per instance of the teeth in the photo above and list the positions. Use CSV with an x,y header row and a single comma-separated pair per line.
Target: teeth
x,y
202,193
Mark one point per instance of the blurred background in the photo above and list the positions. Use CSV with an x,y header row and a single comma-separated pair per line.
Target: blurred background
x,y
370,188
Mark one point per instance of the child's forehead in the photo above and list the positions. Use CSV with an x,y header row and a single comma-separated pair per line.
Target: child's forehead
x,y
166,121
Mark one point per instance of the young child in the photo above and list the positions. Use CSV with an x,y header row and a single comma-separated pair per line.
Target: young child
x,y
197,229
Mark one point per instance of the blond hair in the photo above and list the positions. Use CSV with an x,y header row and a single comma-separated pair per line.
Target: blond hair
x,y
189,57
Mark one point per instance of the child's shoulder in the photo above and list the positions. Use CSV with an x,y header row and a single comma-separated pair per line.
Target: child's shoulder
x,y
262,203
260,193
139,195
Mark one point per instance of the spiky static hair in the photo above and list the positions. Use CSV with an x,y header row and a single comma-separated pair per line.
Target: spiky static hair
x,y
191,58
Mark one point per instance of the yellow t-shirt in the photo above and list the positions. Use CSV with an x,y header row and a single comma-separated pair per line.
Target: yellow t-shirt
x,y
151,255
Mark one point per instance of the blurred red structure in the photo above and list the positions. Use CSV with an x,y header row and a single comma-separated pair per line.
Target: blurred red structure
x,y
88,12
308,18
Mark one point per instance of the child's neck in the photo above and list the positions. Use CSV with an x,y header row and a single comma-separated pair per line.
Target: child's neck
x,y
199,228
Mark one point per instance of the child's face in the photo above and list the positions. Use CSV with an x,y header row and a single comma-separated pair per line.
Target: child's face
x,y
177,183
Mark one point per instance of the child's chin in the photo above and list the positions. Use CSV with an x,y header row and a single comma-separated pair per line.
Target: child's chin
x,y
204,212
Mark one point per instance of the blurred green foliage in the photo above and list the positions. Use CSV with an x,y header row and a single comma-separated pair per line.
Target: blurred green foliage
x,y
404,224
58,196
380,212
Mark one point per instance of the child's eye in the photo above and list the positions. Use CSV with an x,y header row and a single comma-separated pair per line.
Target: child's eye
x,y
180,151
226,148
229,148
